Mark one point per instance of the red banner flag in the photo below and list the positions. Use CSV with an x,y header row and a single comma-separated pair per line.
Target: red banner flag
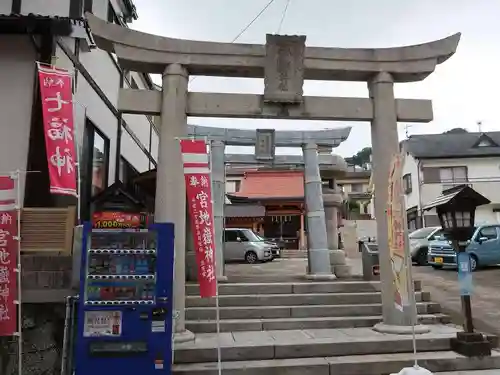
x,y
199,197
8,257
57,109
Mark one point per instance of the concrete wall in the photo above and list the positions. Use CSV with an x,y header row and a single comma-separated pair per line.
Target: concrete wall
x,y
354,230
17,73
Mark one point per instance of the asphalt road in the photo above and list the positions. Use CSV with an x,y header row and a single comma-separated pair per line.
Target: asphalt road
x,y
443,286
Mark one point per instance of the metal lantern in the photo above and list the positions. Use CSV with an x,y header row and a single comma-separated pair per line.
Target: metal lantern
x,y
456,210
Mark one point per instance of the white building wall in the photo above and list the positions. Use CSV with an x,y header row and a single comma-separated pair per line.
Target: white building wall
x,y
484,177
231,185
105,73
17,73
410,166
46,7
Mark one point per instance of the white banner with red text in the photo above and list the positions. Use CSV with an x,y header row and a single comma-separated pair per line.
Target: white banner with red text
x,y
58,124
196,165
8,257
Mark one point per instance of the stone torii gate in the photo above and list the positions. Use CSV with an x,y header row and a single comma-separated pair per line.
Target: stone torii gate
x,y
284,62
324,258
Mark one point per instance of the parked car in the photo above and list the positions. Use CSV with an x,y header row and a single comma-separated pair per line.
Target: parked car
x,y
275,246
483,247
419,243
244,244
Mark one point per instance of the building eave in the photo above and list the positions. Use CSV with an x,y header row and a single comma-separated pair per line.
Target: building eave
x,y
38,24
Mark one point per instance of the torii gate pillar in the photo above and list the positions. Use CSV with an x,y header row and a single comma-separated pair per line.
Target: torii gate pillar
x,y
170,202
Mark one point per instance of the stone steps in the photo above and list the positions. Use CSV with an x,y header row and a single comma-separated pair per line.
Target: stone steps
x,y
472,372
367,364
245,346
237,325
295,287
293,254
299,311
295,299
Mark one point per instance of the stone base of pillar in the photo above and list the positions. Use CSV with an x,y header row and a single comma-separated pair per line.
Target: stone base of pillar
x,y
337,257
400,330
342,271
320,276
184,336
338,264
222,279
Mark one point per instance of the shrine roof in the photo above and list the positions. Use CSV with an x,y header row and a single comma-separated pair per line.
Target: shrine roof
x,y
271,185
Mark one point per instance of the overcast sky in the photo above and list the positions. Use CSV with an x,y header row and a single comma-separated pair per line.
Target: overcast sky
x,y
464,89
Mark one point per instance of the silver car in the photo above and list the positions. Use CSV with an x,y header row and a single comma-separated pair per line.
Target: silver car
x,y
244,244
419,243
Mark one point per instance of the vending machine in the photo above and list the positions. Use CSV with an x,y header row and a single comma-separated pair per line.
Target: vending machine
x,y
125,309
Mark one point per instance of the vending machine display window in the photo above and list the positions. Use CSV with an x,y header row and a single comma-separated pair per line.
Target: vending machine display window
x,y
121,267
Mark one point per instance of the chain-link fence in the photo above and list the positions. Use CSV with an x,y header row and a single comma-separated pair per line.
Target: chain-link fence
x,y
43,331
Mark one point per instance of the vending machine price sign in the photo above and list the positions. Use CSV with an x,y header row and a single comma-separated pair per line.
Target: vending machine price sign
x,y
125,309
118,220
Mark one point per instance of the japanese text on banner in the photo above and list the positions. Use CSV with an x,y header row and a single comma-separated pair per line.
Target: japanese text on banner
x,y
8,257
57,107
396,234
199,195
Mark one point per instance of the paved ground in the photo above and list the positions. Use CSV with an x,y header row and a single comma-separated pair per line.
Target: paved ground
x,y
442,284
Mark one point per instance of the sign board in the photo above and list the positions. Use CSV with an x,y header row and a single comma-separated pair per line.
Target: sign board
x,y
102,323
118,220
464,274
265,145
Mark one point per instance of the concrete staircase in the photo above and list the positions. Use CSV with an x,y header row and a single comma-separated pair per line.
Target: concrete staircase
x,y
300,328
282,306
293,254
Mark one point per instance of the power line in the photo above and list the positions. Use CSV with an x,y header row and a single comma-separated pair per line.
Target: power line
x,y
242,31
252,21
283,16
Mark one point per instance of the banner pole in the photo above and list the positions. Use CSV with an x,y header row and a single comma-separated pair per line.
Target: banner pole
x,y
78,164
17,183
217,307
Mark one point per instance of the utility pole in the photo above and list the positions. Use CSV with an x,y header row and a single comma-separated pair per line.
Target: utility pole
x,y
479,126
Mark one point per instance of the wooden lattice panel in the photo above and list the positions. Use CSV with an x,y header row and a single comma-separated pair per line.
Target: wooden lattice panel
x,y
47,229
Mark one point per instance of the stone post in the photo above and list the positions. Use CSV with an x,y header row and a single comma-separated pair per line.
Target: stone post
x,y
170,202
318,254
218,171
332,200
385,144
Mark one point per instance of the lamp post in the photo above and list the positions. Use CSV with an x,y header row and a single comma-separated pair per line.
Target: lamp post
x,y
456,209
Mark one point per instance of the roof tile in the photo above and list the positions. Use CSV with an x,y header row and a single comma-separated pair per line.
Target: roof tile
x,y
272,184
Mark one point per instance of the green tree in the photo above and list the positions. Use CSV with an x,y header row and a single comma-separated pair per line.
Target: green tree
x,y
361,158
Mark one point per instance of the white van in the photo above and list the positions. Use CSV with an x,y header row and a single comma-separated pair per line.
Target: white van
x,y
244,244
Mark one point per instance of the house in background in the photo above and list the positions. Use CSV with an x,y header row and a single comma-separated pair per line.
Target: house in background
x,y
250,215
274,204
355,185
436,162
